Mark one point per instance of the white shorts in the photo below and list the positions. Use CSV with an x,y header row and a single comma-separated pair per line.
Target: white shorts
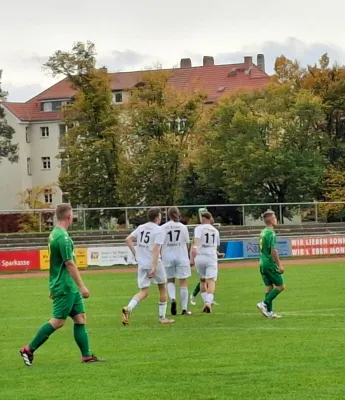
x,y
206,267
177,270
143,276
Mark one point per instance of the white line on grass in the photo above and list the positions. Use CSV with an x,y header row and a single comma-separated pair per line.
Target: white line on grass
x,y
306,313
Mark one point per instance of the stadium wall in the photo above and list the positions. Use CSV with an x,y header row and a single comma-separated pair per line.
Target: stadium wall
x,y
28,260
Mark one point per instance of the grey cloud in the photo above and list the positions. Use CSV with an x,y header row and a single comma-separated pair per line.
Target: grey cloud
x,y
34,60
21,93
125,60
292,48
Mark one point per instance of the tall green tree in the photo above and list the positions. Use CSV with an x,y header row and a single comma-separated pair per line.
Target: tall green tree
x,y
8,150
161,134
264,146
328,83
90,159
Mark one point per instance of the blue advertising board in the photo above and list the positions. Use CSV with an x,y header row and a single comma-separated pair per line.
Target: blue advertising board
x,y
251,248
233,250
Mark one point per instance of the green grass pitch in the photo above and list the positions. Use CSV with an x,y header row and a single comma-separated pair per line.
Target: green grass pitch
x,y
233,353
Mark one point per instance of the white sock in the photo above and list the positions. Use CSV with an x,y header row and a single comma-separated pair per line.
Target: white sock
x,y
162,310
210,298
204,297
184,297
172,291
132,304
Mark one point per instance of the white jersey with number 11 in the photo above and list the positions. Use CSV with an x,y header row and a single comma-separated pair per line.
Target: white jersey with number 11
x,y
209,240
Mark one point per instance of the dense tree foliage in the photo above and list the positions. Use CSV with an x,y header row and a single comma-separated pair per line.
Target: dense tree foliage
x,y
8,150
282,144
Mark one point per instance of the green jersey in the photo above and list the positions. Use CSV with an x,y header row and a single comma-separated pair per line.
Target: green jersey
x,y
61,249
267,242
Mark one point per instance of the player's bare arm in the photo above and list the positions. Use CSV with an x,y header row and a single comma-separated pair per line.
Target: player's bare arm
x,y
194,250
219,254
130,244
75,274
155,256
275,256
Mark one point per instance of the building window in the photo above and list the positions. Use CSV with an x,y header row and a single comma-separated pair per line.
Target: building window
x,y
45,162
118,97
44,131
65,197
56,105
48,196
28,165
48,106
62,130
64,165
27,135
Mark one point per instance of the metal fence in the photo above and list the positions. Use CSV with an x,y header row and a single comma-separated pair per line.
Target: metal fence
x,y
117,218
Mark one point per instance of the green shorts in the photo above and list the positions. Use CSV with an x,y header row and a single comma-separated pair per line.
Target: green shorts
x,y
68,305
271,277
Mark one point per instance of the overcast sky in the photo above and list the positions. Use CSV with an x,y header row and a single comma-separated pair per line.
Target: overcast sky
x,y
134,34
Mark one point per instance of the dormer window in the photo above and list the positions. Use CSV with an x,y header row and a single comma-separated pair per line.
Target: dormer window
x,y
49,106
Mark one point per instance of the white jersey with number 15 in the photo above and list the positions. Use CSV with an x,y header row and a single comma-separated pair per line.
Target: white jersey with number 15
x,y
146,236
209,240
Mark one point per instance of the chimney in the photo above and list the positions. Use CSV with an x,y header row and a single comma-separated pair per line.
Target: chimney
x,y
248,61
261,62
186,63
208,61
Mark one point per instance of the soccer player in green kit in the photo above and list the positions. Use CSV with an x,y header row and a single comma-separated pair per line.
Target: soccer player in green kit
x,y
67,291
270,266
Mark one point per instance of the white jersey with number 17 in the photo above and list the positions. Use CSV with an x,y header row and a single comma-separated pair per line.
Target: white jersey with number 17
x,y
209,240
174,249
146,236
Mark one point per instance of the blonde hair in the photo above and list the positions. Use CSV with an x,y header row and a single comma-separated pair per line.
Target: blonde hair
x,y
62,211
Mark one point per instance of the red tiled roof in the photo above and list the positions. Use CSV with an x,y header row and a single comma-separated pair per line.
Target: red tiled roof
x,y
216,80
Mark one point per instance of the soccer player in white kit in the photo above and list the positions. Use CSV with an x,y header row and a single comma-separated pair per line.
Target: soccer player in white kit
x,y
204,255
176,260
149,239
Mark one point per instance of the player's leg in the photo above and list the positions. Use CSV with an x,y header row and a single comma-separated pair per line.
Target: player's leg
x,y
62,306
211,278
144,282
171,273
161,279
196,291
278,286
274,281
268,291
183,272
81,336
265,306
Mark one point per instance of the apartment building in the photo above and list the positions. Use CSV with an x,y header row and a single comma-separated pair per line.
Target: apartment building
x,y
39,126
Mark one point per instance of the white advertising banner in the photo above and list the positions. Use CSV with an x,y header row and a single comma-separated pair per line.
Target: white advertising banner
x,y
109,256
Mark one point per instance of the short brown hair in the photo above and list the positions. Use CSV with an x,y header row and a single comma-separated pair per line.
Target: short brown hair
x,y
207,215
153,213
62,210
174,214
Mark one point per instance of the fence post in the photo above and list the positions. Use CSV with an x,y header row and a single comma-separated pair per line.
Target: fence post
x,y
40,220
126,217
243,216
316,213
281,213
84,219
